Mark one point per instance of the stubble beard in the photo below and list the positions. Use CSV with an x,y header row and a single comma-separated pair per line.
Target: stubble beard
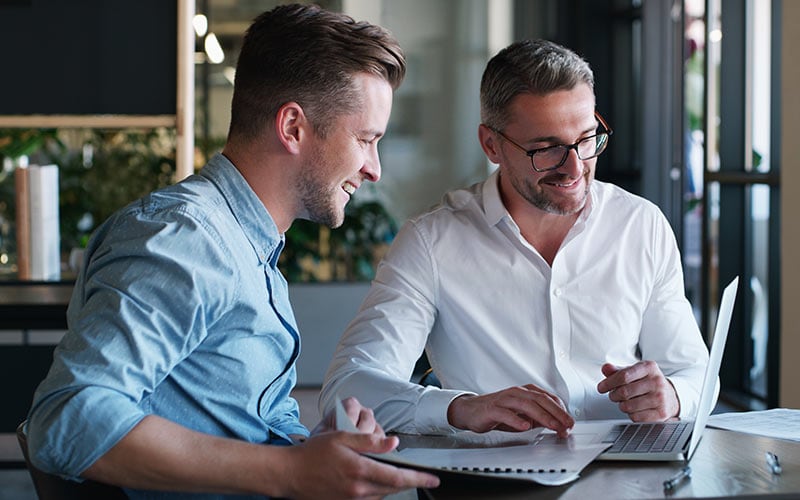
x,y
541,200
319,199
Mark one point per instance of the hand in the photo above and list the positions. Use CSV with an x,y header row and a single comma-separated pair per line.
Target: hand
x,y
513,409
331,465
361,416
641,390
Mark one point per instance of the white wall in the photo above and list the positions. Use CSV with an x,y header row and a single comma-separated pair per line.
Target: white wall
x,y
431,144
790,206
322,311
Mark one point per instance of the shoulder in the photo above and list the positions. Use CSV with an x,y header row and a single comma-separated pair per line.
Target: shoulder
x,y
462,204
614,201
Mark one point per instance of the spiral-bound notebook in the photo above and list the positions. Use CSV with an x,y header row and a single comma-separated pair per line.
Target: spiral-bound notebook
x,y
529,456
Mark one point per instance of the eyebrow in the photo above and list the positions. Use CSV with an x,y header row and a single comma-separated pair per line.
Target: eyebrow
x,y
375,134
557,140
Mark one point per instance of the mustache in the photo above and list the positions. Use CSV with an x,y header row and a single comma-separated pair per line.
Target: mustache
x,y
563,178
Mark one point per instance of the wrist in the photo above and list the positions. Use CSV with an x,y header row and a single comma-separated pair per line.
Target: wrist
x,y
454,410
275,471
677,412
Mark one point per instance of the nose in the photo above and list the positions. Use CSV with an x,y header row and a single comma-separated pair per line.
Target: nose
x,y
573,165
372,167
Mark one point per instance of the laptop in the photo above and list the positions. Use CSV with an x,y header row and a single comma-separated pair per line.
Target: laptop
x,y
664,441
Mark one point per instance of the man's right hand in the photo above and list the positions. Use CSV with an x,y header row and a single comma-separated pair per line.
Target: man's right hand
x,y
514,409
331,465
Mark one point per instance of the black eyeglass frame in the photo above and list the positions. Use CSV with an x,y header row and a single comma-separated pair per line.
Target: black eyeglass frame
x,y
530,152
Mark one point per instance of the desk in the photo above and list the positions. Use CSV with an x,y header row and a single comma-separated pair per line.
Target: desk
x,y
32,306
726,464
25,307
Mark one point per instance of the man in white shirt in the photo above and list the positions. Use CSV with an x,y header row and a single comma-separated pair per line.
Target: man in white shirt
x,y
541,295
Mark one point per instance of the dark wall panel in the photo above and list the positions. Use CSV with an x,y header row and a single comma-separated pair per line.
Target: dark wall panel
x,y
83,57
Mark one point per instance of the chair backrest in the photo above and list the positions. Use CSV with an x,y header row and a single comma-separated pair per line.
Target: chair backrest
x,y
52,487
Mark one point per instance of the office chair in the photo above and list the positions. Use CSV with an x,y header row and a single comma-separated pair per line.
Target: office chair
x,y
430,378
52,487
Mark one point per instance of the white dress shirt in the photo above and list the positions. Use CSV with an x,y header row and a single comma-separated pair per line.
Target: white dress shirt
x,y
461,283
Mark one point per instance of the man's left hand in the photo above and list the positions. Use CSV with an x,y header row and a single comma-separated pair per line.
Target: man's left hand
x,y
362,417
642,391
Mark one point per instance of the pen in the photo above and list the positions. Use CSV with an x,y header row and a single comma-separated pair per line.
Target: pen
x,y
674,481
773,463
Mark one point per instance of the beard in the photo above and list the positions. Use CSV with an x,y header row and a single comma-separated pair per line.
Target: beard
x,y
542,200
318,198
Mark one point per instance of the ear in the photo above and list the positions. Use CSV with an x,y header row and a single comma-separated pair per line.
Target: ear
x,y
489,143
291,126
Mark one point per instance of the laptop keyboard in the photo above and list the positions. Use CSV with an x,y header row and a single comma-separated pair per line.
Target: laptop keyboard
x,y
644,438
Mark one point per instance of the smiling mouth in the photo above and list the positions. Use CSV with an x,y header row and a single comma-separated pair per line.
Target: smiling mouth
x,y
570,183
564,182
349,188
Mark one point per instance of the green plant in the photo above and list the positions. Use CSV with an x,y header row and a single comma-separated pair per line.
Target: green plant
x,y
100,171
111,169
350,252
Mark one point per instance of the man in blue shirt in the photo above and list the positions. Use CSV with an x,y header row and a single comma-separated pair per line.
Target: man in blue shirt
x,y
176,372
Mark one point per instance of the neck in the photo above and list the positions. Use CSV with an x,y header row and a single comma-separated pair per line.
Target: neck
x,y
543,230
269,182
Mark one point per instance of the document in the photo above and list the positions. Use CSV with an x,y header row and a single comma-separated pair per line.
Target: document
x,y
781,423
538,456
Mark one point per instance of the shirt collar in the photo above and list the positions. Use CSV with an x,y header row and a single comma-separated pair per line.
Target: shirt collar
x,y
247,208
493,206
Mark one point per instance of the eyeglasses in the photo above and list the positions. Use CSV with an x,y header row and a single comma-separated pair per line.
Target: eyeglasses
x,y
552,157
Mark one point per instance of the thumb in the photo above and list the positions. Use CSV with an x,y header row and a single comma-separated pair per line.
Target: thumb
x,y
372,443
609,369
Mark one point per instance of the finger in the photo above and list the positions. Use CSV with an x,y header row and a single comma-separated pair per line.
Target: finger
x,y
365,422
614,378
508,420
657,398
623,376
535,389
362,417
370,443
386,479
352,408
609,369
544,410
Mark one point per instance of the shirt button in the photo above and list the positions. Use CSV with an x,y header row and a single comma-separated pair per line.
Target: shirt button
x,y
557,292
562,354
577,412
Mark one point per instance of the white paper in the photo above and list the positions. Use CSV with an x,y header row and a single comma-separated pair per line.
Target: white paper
x,y
534,456
548,460
781,423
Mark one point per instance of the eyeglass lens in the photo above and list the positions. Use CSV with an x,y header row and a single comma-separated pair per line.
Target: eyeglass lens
x,y
553,157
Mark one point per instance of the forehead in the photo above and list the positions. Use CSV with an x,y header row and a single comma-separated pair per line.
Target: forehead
x,y
376,104
562,109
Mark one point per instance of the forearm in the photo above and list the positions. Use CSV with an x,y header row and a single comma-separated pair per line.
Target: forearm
x,y
160,455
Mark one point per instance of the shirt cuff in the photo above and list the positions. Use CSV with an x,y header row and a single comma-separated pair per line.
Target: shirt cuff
x,y
431,413
687,397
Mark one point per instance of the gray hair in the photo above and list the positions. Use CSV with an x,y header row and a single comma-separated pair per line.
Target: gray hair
x,y
531,66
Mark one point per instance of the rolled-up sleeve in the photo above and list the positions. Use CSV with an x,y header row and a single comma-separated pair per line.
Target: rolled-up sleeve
x,y
138,310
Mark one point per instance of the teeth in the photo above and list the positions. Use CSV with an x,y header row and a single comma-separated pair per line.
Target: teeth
x,y
349,188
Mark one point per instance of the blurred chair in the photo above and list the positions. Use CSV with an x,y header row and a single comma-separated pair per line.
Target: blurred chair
x,y
430,378
52,487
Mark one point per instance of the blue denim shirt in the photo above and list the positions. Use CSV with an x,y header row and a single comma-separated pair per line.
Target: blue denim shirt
x,y
181,312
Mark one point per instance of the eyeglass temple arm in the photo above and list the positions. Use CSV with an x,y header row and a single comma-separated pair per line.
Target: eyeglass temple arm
x,y
603,122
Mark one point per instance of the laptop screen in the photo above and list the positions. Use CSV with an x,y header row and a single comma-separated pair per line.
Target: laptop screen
x,y
708,390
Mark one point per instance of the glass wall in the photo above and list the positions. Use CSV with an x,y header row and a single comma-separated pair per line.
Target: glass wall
x,y
731,182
